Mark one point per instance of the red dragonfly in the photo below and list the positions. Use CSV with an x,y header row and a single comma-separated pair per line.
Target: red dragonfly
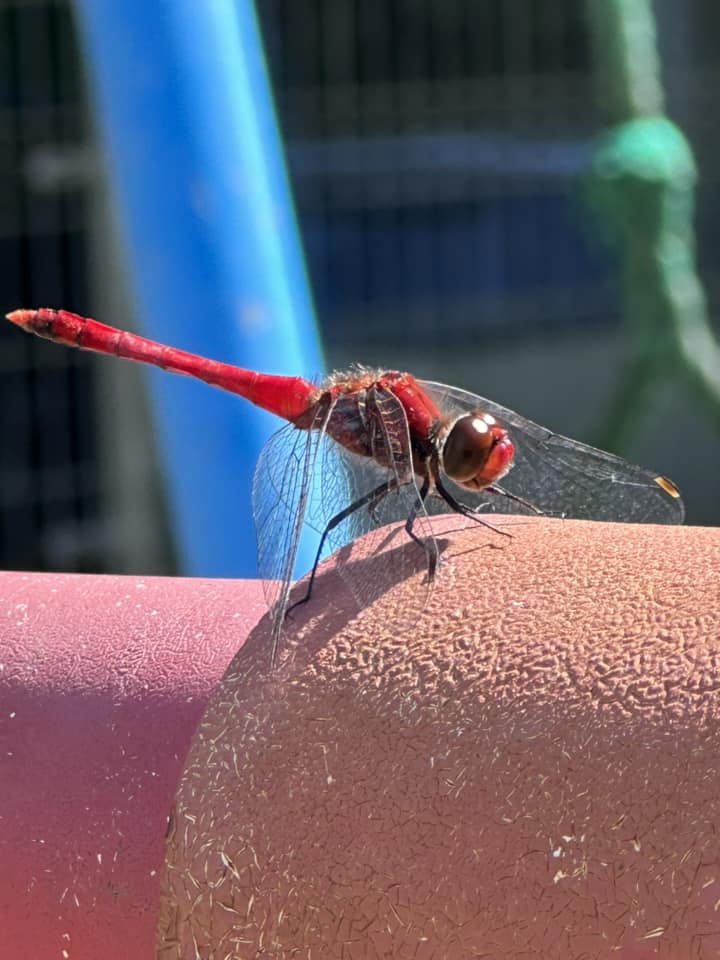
x,y
387,447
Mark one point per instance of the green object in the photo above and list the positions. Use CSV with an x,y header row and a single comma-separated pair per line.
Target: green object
x,y
627,69
642,184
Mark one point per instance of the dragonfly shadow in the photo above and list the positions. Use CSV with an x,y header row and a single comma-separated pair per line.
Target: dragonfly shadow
x,y
360,573
351,581
502,525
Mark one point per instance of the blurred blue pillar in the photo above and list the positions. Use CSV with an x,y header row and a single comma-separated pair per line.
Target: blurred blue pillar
x,y
186,121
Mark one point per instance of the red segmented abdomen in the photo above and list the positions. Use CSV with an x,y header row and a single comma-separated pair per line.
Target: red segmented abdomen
x,y
286,397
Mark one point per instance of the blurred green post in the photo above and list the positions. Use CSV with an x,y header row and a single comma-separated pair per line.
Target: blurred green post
x,y
642,187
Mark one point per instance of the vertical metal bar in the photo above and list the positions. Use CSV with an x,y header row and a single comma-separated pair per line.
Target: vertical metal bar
x,y
193,152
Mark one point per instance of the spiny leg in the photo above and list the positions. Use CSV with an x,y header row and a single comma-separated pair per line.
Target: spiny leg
x,y
372,498
511,496
465,511
429,545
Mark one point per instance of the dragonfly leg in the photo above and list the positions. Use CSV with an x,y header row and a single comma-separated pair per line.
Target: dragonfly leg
x,y
465,511
511,496
372,498
429,544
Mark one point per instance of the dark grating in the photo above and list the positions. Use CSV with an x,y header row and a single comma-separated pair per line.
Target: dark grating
x,y
435,148
48,455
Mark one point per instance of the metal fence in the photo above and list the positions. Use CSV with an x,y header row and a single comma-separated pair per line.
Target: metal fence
x,y
435,148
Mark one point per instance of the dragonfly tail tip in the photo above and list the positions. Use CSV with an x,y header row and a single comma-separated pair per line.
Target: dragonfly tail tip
x,y
23,318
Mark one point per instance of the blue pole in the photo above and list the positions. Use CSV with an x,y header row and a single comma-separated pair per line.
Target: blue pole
x,y
196,171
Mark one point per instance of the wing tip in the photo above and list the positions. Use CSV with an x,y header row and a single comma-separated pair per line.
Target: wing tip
x,y
668,486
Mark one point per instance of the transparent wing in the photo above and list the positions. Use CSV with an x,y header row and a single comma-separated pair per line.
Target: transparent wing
x,y
280,495
389,555
563,477
305,478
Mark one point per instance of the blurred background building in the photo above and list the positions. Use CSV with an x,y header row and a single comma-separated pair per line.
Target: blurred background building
x,y
436,150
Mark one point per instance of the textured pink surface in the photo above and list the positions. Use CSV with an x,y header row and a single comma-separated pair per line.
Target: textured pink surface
x,y
102,683
532,772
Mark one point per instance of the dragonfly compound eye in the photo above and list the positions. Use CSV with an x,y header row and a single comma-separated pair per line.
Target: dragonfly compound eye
x,y
477,451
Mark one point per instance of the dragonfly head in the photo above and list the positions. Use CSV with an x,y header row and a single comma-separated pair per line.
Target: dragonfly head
x,y
477,452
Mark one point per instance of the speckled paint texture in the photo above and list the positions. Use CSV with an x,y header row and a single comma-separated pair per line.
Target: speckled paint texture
x,y
103,681
532,771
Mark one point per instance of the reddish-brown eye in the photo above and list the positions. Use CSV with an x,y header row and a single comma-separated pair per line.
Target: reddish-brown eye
x,y
466,448
477,451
